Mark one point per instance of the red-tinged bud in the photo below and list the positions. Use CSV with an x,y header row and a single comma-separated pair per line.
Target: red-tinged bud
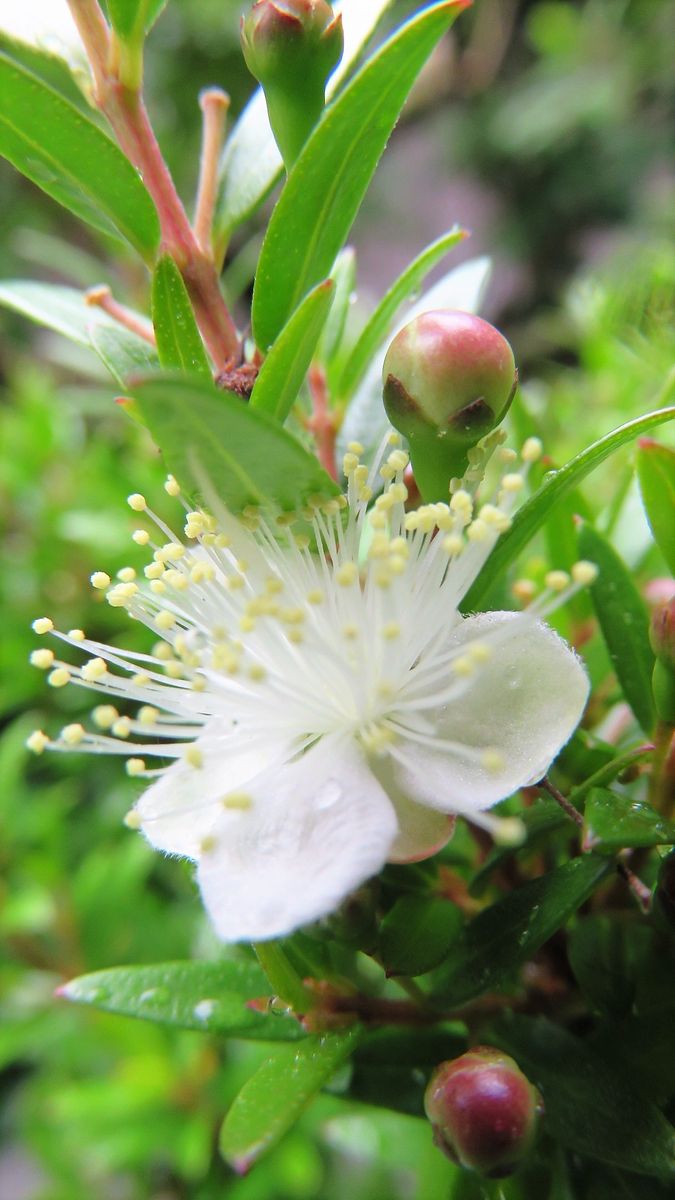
x,y
449,378
662,638
291,47
484,1111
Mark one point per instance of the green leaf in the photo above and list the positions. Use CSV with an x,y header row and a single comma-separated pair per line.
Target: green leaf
x,y
613,821
624,622
283,371
64,310
209,996
391,1066
377,325
328,182
211,435
66,154
505,935
178,342
344,278
131,18
52,69
602,953
275,1096
530,518
416,934
656,476
592,1107
251,163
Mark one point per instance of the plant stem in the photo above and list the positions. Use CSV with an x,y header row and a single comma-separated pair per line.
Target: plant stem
x,y
102,297
126,113
322,421
214,104
283,977
568,808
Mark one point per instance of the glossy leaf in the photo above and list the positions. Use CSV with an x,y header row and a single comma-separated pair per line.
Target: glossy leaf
x,y
178,342
209,996
64,310
275,1096
656,475
211,436
505,935
624,622
613,821
344,278
601,951
530,518
51,69
416,934
283,371
329,180
592,1106
69,157
251,163
377,326
131,18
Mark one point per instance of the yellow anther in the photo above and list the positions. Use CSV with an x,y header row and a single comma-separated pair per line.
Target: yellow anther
x,y
480,652
398,493
461,503
383,577
509,831
121,727
391,630
397,564
584,572
379,546
385,502
557,581
135,766
398,460
296,636
44,659
398,545
104,716
76,635
208,844
453,544
234,582
492,760
176,580
59,678
148,714
350,632
376,738
292,616
365,494
347,574
355,448
158,587
95,669
172,486
137,502
385,689
361,476
532,450
377,519
37,742
387,472
42,625
315,597
349,463
126,575
506,455
495,518
237,801
394,438
174,669
463,666
477,531
257,673
512,482
222,541
194,757
132,820
141,537
117,598
247,624
154,570
100,580
524,591
72,735
141,679
203,572
411,522
171,552
165,619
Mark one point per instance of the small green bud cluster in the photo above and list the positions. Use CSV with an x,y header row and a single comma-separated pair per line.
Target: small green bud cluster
x,y
484,1111
291,47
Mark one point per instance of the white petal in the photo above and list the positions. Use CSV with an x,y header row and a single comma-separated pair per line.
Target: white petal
x,y
422,831
524,703
316,829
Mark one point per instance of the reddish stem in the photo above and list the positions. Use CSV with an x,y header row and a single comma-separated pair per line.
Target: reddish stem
x,y
322,421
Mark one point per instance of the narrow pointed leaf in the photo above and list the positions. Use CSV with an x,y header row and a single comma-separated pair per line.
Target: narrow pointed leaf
x,y
624,622
209,996
416,934
283,371
378,324
530,518
52,69
505,935
656,475
343,276
67,155
275,1096
613,821
325,189
207,434
132,18
178,342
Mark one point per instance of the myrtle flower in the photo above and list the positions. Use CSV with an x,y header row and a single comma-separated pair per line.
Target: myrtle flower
x,y
317,703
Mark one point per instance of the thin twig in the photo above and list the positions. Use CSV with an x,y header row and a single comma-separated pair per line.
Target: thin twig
x,y
102,297
638,888
214,103
569,809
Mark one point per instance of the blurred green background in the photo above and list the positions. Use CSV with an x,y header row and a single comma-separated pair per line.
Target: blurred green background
x,y
547,129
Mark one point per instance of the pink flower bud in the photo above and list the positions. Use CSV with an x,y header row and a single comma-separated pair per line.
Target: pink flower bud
x,y
483,1110
448,372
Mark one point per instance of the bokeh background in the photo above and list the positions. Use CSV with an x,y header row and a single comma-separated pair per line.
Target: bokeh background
x,y
547,129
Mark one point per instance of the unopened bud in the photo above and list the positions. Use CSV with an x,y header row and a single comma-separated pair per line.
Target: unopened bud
x,y
449,378
662,638
291,47
484,1111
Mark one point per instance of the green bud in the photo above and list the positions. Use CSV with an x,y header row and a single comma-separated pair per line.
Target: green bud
x,y
449,378
662,638
291,47
484,1111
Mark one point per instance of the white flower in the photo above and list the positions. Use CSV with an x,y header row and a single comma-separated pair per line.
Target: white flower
x,y
324,706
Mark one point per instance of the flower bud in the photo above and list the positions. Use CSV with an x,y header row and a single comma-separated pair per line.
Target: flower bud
x,y
291,47
662,638
484,1111
449,378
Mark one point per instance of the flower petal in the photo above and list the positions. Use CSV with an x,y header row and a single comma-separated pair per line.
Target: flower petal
x,y
520,707
422,831
316,829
